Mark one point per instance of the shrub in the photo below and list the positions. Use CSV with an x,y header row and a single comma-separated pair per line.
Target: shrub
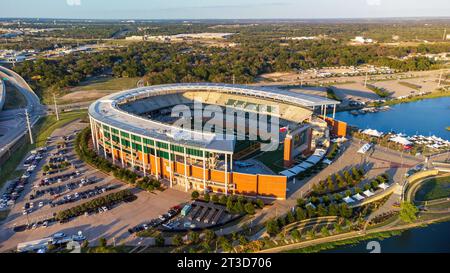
x,y
159,240
215,198
260,203
249,208
108,200
206,197
177,240
195,195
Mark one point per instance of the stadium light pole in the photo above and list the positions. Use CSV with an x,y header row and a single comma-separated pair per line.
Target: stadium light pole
x,y
29,126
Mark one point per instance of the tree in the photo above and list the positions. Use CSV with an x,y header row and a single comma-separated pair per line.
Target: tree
x,y
324,231
337,227
214,198
301,202
272,227
311,212
194,237
51,247
330,183
177,240
260,203
322,210
102,242
223,200
206,197
300,214
310,234
229,205
345,211
209,235
195,194
243,240
296,234
408,212
159,240
85,244
249,208
224,244
290,217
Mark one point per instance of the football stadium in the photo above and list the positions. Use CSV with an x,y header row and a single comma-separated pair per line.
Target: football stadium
x,y
135,129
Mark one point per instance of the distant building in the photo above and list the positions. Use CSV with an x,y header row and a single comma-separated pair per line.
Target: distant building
x,y
362,40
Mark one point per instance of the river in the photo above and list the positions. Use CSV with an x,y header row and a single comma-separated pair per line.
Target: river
x,y
434,238
425,117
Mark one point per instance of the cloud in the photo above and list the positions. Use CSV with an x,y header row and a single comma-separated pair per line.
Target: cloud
x,y
73,2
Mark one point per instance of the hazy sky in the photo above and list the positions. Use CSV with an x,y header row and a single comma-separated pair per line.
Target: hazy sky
x,y
222,9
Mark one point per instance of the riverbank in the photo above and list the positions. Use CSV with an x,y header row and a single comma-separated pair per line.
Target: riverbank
x,y
349,238
353,241
433,95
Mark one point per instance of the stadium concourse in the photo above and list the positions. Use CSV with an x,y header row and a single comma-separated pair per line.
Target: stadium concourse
x,y
135,129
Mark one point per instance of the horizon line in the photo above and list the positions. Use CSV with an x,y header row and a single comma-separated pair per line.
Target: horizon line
x,y
231,19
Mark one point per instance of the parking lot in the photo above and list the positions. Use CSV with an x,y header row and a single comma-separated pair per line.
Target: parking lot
x,y
67,182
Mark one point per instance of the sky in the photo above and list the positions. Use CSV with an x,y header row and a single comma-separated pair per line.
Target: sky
x,y
222,9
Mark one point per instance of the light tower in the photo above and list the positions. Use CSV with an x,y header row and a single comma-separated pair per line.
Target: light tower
x,y
56,107
29,126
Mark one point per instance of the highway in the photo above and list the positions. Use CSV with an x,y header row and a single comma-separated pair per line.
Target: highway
x,y
13,122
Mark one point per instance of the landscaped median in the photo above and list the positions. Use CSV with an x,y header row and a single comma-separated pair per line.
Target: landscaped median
x,y
91,206
89,156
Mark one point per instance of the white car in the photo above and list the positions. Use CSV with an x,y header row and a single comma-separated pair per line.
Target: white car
x,y
41,204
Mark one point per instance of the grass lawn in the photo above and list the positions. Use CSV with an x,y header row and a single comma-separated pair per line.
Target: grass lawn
x,y
434,188
41,131
107,83
14,99
272,159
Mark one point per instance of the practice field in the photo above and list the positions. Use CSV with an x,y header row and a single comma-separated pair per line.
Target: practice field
x,y
97,88
434,188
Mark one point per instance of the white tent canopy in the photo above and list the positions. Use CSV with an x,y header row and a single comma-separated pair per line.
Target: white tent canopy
x,y
372,132
401,140
319,152
368,193
358,197
348,200
383,186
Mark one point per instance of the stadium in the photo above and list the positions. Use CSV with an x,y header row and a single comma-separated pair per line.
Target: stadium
x,y
134,129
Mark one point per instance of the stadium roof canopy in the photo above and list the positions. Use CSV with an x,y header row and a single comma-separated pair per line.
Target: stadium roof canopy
x,y
106,110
